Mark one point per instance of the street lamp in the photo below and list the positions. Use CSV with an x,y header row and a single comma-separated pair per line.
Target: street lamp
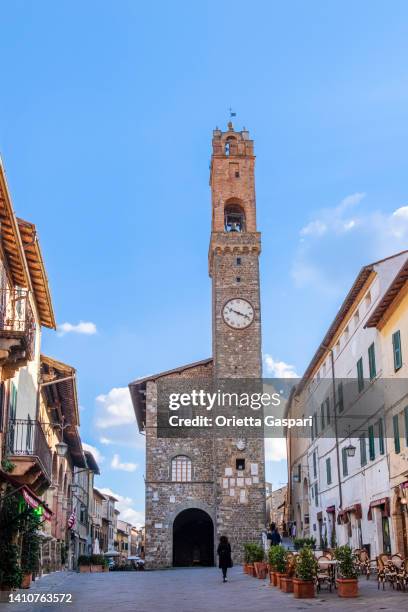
x,y
61,448
350,450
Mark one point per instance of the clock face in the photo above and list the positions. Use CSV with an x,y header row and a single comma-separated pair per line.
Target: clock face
x,y
241,444
238,313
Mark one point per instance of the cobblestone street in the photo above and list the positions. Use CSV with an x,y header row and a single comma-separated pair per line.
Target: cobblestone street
x,y
185,590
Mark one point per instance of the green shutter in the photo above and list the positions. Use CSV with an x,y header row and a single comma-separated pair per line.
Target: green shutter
x,y
322,416
381,436
316,495
363,450
396,345
328,471
371,361
340,396
371,443
328,410
344,461
316,429
360,374
397,443
314,464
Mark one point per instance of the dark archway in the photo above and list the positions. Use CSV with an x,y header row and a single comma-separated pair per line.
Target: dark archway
x,y
193,539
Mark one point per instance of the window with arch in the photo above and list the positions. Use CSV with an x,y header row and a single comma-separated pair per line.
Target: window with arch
x,y
230,146
181,469
234,218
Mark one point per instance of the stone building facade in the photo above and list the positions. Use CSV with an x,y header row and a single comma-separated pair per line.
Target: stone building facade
x,y
200,488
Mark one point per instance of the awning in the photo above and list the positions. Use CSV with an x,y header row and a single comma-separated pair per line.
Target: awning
x,y
32,500
356,508
331,509
404,485
343,515
385,511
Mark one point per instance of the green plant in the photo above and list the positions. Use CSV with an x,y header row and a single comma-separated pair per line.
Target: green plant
x,y
7,465
346,567
301,542
253,552
10,522
272,557
30,543
97,560
306,565
84,560
280,558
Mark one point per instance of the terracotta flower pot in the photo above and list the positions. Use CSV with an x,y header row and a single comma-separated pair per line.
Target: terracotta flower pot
x,y
260,568
26,581
278,577
250,569
347,587
303,589
286,584
96,568
84,568
253,571
273,578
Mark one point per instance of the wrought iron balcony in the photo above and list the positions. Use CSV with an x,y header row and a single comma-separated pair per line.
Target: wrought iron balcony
x,y
27,448
17,325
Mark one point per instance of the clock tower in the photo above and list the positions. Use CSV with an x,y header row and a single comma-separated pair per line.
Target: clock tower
x,y
234,251
233,257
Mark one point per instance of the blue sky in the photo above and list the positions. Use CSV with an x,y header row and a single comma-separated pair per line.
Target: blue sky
x,y
107,111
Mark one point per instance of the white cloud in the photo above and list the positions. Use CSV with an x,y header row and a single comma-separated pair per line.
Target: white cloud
x,y
275,449
116,408
331,220
116,464
99,458
83,327
114,412
342,236
314,228
125,506
279,369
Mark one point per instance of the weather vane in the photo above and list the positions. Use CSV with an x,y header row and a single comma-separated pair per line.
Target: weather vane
x,y
231,112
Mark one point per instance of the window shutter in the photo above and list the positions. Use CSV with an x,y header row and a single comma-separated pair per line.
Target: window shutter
x,y
344,461
381,436
360,374
395,423
371,443
371,361
396,344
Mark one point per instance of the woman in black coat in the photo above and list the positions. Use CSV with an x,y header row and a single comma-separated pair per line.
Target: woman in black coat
x,y
224,556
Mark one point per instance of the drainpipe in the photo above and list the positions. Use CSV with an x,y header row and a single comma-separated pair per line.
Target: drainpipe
x,y
335,423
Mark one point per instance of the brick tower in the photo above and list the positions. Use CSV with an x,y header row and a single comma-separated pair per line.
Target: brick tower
x,y
200,488
234,251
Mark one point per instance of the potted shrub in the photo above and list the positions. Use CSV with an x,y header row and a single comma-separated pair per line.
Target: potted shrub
x,y
272,565
305,574
10,572
280,563
30,549
347,582
96,563
247,557
258,555
84,563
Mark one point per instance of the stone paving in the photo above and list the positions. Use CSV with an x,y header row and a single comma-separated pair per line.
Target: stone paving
x,y
193,590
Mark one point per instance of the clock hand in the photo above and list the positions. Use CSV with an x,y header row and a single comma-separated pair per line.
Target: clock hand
x,y
239,313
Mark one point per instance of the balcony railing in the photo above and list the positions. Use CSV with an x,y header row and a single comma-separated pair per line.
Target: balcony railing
x,y
25,437
16,317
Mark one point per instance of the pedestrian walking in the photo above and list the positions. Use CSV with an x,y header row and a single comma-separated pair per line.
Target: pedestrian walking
x,y
275,536
224,556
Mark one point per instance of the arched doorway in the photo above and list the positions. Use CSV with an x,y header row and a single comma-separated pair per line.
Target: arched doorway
x,y
193,538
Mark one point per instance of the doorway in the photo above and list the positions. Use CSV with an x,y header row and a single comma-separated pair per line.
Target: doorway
x,y
193,539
